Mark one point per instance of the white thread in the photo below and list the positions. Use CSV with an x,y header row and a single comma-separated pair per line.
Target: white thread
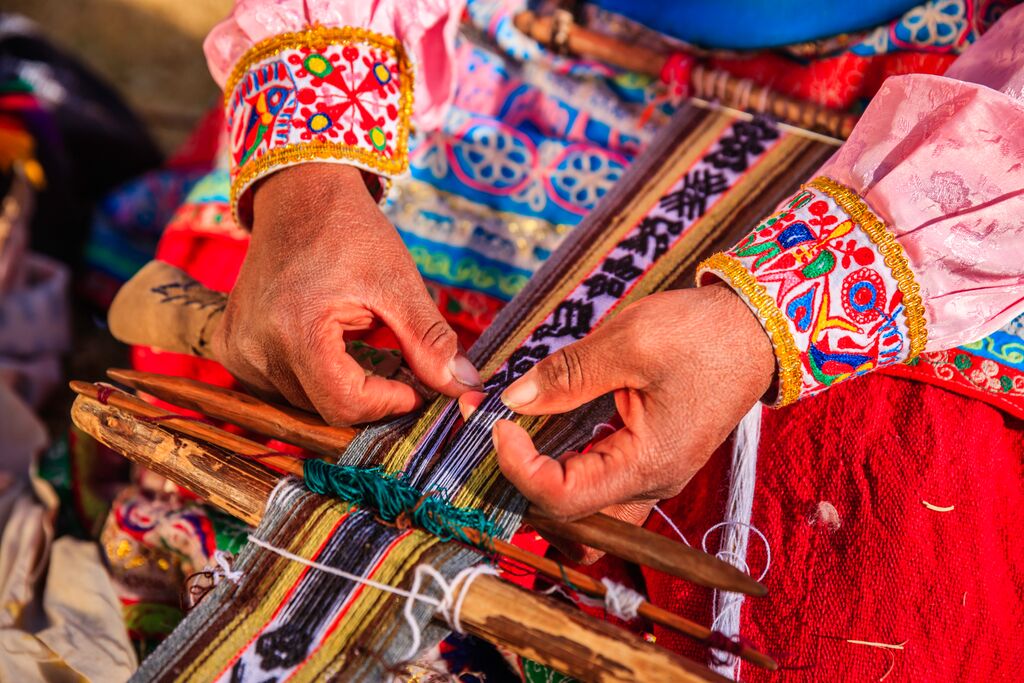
x,y
736,524
621,601
223,569
722,554
601,430
672,524
449,605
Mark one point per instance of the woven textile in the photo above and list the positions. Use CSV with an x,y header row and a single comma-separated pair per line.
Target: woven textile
x,y
856,553
706,179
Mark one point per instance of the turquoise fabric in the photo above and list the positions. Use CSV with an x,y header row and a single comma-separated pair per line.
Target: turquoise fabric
x,y
755,24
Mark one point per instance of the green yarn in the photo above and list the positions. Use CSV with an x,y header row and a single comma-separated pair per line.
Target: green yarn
x,y
393,498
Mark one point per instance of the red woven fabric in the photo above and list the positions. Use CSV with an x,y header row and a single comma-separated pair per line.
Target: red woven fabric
x,y
950,585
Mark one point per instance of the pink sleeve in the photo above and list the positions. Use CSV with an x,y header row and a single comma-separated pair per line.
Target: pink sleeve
x,y
909,239
330,81
942,160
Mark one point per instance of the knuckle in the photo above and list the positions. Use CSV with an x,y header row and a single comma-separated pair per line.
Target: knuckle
x,y
564,370
438,335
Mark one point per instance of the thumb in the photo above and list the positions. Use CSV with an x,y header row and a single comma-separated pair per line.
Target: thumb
x,y
570,377
429,345
574,484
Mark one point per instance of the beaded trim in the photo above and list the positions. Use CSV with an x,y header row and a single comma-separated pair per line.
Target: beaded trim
x,y
756,296
337,95
832,287
890,250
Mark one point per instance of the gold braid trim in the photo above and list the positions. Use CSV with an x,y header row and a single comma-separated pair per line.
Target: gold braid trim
x,y
775,323
318,38
894,257
315,37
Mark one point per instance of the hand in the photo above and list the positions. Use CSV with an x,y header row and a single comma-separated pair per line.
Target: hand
x,y
684,366
324,261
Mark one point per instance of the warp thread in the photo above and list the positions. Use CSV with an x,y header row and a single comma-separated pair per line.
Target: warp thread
x,y
449,605
396,502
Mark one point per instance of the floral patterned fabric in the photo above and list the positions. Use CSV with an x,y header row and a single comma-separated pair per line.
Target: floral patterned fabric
x,y
830,285
341,95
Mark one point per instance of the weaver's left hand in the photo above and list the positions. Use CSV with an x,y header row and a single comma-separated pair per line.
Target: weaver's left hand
x,y
684,366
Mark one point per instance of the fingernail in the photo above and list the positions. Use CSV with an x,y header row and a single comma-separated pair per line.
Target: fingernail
x,y
494,434
466,409
523,391
463,371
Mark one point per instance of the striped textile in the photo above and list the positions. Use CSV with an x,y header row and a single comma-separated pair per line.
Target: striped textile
x,y
702,183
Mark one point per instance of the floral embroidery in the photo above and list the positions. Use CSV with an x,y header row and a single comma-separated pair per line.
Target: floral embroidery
x,y
829,281
342,95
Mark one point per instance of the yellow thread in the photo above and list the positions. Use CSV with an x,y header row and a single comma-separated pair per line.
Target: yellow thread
x,y
938,508
892,253
318,38
786,353
884,646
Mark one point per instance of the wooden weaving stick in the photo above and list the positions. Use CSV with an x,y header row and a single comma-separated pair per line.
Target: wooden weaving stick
x,y
289,465
621,539
709,84
529,624
164,307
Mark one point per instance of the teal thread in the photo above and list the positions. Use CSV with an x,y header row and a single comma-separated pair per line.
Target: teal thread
x,y
396,501
565,579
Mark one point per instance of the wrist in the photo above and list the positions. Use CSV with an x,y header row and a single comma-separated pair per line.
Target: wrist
x,y
309,197
749,346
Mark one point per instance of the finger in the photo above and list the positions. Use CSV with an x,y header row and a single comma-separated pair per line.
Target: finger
x,y
469,402
342,392
572,376
575,484
429,345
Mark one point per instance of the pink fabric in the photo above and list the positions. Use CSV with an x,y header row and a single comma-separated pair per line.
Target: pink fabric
x,y
426,28
941,158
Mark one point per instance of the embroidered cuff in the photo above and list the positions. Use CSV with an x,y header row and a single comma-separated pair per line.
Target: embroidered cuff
x,y
831,286
341,95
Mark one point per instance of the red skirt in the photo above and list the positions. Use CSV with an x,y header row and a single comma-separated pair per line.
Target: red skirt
x,y
938,591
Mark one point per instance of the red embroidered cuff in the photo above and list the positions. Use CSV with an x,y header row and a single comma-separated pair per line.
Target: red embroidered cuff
x,y
831,286
341,95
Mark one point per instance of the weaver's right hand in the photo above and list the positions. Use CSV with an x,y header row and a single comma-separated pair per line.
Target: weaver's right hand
x,y
324,261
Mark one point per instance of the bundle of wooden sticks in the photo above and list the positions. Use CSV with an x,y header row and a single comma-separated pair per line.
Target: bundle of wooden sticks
x,y
237,475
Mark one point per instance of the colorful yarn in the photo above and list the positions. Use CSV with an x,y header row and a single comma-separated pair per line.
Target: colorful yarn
x,y
395,501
